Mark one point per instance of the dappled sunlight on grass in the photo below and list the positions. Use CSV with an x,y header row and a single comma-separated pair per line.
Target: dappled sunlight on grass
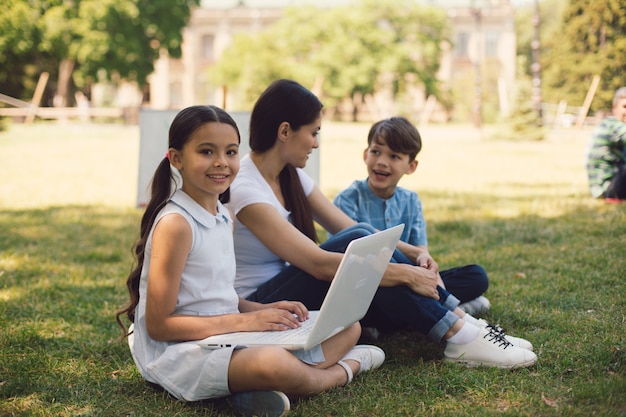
x,y
27,404
7,294
8,263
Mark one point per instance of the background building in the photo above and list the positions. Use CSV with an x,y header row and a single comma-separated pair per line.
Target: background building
x,y
480,62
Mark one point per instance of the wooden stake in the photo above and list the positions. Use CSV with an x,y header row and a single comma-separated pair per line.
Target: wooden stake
x,y
585,108
41,86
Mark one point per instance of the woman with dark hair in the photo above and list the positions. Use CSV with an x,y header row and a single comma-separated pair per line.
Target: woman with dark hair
x,y
275,203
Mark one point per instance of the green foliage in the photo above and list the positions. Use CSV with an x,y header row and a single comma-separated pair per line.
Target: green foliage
x,y
579,39
102,38
550,15
590,41
20,63
346,49
524,122
254,61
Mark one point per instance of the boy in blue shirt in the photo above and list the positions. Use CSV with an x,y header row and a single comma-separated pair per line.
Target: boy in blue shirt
x,y
393,144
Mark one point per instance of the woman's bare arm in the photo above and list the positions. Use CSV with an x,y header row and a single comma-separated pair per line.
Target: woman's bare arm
x,y
287,242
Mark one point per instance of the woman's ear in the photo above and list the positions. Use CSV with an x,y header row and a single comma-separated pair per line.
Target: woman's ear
x,y
283,131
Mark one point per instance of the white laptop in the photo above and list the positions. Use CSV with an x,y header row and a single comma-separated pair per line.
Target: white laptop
x,y
348,298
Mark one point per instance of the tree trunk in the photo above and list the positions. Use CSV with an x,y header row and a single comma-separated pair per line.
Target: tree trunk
x,y
64,85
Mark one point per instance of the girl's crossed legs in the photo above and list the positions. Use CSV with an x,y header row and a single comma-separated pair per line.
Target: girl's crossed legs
x,y
274,368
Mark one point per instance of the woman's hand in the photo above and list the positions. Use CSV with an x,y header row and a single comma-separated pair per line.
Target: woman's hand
x,y
421,280
424,282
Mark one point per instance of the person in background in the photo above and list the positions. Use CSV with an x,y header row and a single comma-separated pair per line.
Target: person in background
x,y
392,146
275,205
182,289
606,154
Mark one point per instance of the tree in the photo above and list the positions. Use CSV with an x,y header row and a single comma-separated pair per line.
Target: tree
x,y
590,41
20,61
550,15
87,40
252,61
347,50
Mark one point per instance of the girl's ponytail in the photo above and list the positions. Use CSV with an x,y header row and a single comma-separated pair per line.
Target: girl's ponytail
x,y
161,192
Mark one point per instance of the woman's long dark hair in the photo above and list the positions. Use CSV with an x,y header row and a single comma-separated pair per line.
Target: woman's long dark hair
x,y
286,101
186,122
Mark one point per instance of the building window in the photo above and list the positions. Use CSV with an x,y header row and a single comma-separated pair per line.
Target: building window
x,y
461,45
207,47
491,44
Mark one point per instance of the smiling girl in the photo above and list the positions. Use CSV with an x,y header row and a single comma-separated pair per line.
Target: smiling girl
x,y
181,289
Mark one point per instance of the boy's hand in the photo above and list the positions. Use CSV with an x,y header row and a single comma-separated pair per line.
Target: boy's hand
x,y
426,261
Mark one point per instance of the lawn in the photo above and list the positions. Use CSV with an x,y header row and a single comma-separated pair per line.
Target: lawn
x,y
521,209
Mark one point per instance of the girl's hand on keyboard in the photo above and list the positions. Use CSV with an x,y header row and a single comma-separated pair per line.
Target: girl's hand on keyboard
x,y
294,307
272,319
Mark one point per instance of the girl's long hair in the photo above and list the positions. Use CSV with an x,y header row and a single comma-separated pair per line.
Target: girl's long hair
x,y
186,122
286,101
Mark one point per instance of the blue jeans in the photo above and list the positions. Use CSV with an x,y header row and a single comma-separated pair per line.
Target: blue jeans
x,y
464,282
393,308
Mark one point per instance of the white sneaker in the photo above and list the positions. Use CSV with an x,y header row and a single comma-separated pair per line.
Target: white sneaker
x,y
368,356
490,348
476,306
516,341
259,403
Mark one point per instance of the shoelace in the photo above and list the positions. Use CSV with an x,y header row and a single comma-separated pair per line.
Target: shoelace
x,y
496,336
496,329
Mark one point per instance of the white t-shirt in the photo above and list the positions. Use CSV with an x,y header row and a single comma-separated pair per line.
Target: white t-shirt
x,y
256,264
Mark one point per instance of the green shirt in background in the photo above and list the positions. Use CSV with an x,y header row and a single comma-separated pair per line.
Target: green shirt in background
x,y
606,153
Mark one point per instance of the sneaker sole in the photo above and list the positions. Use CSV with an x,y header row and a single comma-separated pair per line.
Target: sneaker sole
x,y
475,364
259,403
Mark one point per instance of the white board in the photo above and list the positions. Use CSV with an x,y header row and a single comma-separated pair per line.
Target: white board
x,y
154,126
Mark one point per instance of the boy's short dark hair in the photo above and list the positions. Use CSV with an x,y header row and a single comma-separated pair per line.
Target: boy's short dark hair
x,y
398,133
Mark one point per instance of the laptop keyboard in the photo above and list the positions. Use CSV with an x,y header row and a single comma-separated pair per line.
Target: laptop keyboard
x,y
288,335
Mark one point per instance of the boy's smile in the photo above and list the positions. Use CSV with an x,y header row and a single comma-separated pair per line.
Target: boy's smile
x,y
380,173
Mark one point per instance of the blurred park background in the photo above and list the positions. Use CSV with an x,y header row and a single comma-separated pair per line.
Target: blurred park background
x,y
504,92
523,64
98,164
493,69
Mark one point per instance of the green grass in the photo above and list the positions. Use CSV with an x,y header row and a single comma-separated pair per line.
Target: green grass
x,y
556,260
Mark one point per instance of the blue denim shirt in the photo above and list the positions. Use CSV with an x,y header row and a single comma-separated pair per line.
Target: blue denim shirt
x,y
404,206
